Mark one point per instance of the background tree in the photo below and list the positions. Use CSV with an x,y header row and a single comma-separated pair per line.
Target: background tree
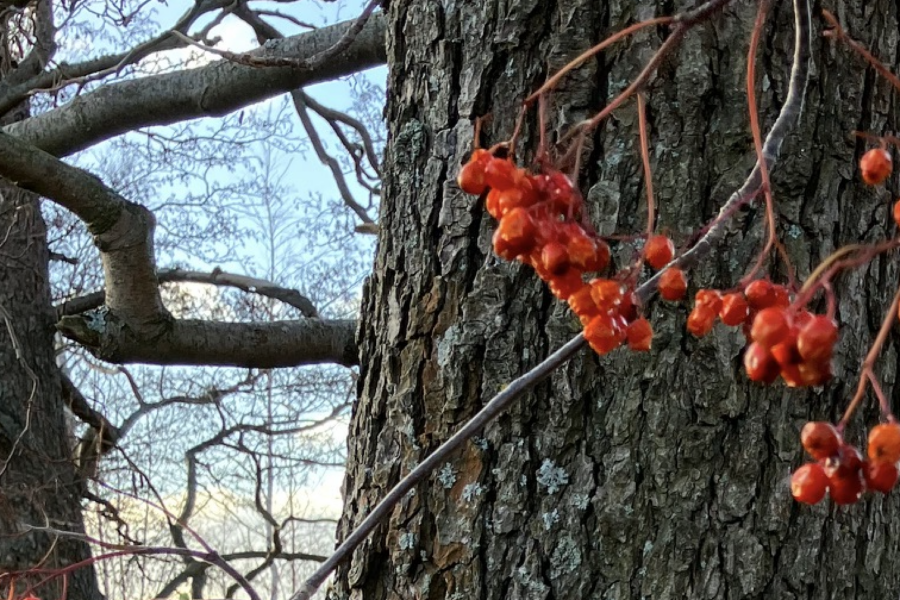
x,y
633,476
219,446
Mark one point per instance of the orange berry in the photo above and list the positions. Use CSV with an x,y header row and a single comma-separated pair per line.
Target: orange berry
x,y
658,251
820,439
606,293
563,286
492,204
471,178
515,234
884,443
582,249
640,335
734,309
897,212
845,475
809,483
711,298
875,166
701,320
603,333
672,284
760,364
599,259
582,304
770,326
500,173
816,339
555,258
760,293
881,476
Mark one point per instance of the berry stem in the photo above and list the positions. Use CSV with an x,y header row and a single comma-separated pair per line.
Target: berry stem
x,y
772,240
867,373
828,268
553,81
838,32
645,159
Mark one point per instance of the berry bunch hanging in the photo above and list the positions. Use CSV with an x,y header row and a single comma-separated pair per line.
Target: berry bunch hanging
x,y
840,470
539,224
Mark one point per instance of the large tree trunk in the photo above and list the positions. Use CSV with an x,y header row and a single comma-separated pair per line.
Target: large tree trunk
x,y
634,476
39,486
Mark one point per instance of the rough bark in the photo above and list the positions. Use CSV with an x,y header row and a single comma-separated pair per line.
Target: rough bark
x,y
38,481
634,476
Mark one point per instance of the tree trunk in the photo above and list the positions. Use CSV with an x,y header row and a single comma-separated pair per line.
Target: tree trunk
x,y
660,475
38,486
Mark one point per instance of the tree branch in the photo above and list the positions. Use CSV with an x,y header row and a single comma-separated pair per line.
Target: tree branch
x,y
217,277
137,327
212,90
211,343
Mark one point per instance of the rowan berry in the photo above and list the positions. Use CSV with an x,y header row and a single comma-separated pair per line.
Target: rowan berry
x,y
513,197
760,364
711,298
500,173
816,339
884,443
701,320
582,249
897,212
658,251
492,204
809,483
820,439
786,352
628,308
555,258
880,476
734,309
582,304
875,166
640,335
599,260
770,326
471,176
845,476
515,234
563,286
672,284
760,293
603,333
606,293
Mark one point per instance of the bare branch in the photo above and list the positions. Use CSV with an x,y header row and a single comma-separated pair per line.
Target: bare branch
x,y
137,327
299,99
14,90
210,343
212,90
217,277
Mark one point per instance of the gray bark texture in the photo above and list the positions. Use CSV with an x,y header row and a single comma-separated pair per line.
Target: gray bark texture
x,y
660,475
39,486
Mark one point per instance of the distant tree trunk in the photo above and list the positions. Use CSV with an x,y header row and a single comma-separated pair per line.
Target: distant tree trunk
x,y
38,486
662,475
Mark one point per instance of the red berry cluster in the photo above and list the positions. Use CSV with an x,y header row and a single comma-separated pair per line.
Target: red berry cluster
x,y
840,469
784,340
538,226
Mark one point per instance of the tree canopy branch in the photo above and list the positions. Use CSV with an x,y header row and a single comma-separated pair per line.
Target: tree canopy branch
x,y
212,90
137,327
